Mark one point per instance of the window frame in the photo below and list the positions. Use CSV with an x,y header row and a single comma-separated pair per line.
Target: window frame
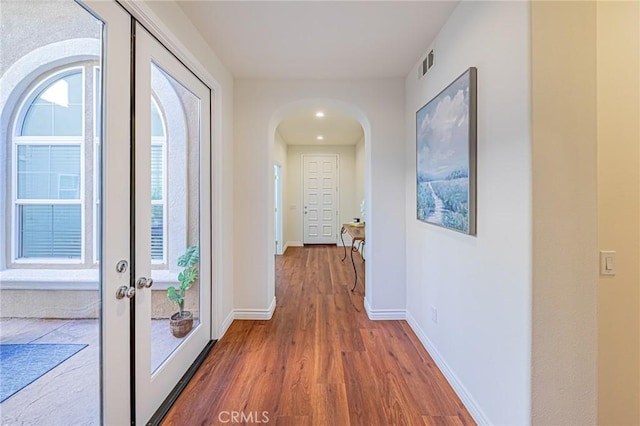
x,y
17,140
162,141
89,256
96,87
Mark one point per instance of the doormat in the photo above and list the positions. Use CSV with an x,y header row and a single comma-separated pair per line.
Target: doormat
x,y
23,364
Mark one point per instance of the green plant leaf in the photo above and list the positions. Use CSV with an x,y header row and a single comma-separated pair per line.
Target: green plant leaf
x,y
188,277
189,261
174,296
190,257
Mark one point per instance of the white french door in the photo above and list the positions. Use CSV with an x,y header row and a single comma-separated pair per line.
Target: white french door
x,y
64,213
114,206
172,217
105,214
320,199
163,208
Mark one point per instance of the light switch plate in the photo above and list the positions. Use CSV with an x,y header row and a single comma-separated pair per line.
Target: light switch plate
x,y
607,262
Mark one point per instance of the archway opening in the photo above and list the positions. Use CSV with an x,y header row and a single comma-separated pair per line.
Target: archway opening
x,y
319,147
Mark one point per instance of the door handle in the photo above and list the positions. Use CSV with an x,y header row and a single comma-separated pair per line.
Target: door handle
x,y
125,291
122,266
143,282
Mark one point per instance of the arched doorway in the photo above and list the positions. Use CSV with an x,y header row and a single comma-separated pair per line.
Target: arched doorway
x,y
326,130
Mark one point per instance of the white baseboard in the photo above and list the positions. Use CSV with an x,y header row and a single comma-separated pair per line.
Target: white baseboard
x,y
291,244
226,324
472,406
384,314
255,314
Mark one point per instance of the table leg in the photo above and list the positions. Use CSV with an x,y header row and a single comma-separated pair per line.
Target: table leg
x,y
355,271
342,231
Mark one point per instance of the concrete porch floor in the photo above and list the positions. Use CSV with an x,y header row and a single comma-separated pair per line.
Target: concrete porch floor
x,y
69,394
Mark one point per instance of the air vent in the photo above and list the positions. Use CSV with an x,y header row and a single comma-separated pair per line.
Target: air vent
x,y
427,64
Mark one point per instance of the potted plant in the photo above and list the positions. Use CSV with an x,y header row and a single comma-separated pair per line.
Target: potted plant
x,y
182,321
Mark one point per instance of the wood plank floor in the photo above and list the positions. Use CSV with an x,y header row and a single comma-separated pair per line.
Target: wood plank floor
x,y
319,361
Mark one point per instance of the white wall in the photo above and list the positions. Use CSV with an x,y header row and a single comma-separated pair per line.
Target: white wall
x,y
360,174
565,208
280,157
280,150
618,73
480,285
347,199
193,50
379,106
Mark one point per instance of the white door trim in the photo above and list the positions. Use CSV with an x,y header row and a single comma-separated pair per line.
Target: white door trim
x,y
278,209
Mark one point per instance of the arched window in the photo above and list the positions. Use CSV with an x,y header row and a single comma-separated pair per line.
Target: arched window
x,y
48,152
56,169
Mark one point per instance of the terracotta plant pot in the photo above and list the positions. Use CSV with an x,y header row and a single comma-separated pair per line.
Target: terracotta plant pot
x,y
181,325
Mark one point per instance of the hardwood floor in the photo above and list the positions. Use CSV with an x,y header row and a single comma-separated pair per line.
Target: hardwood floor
x,y
319,361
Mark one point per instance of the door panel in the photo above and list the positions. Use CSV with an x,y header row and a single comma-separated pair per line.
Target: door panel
x,y
61,125
114,208
172,220
320,189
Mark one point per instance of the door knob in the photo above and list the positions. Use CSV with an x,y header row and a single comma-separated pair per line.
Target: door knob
x,y
122,266
143,282
125,291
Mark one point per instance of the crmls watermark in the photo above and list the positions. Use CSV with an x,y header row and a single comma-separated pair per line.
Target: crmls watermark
x,y
242,417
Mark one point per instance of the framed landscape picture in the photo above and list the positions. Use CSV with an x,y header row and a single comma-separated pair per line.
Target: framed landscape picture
x,y
446,157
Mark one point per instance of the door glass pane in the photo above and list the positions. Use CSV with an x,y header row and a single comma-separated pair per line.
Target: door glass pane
x,y
175,206
50,304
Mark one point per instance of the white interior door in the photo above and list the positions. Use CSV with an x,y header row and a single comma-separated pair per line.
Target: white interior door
x,y
172,221
320,199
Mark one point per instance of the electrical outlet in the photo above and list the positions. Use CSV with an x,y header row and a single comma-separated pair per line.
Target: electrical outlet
x,y
434,314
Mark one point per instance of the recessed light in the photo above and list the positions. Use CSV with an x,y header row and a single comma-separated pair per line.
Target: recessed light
x,y
320,138
319,114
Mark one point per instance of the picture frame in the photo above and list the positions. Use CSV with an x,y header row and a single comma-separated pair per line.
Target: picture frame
x,y
446,142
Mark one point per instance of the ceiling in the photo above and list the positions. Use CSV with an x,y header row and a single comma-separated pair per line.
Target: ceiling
x,y
319,39
336,128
